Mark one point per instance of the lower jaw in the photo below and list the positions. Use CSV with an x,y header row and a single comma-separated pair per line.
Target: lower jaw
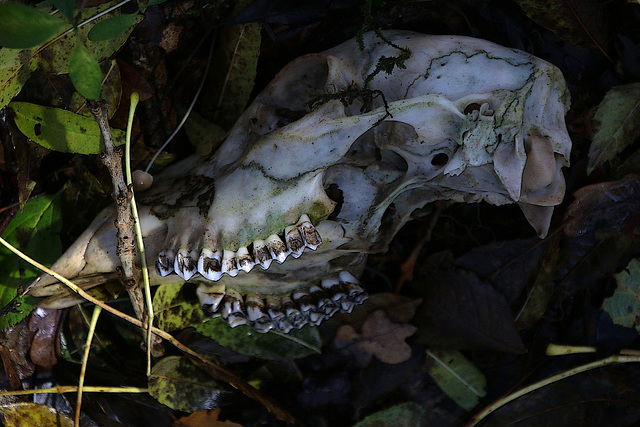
x,y
337,293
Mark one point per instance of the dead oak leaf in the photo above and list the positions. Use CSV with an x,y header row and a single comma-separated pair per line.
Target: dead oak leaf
x,y
380,337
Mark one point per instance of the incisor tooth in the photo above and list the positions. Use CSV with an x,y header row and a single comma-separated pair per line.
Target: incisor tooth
x,y
184,265
309,233
277,248
245,263
164,263
210,265
261,253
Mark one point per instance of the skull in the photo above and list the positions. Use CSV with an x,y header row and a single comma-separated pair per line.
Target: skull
x,y
329,161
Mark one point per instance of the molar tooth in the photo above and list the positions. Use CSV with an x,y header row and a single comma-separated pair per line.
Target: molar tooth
x,y
257,313
164,263
311,236
315,318
277,248
229,263
294,316
337,291
354,291
245,263
274,309
325,303
347,306
233,309
184,265
261,253
209,265
304,301
294,239
210,297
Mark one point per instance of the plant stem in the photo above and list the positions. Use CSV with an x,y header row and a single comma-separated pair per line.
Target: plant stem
x,y
126,249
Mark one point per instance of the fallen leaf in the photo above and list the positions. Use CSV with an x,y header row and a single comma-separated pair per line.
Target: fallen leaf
x,y
462,312
44,324
624,305
204,418
618,121
606,207
380,337
179,384
408,414
31,414
574,22
457,377
539,291
234,73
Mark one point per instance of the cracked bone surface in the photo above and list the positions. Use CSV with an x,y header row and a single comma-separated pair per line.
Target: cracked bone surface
x,y
276,225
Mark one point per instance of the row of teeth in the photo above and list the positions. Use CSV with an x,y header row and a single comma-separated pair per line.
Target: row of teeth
x,y
284,313
213,265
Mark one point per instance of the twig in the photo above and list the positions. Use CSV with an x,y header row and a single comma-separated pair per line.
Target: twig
x,y
126,250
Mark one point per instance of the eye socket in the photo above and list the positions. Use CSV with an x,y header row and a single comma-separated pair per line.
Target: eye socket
x,y
474,106
440,159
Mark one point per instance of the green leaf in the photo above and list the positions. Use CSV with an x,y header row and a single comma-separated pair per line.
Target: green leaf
x,y
154,2
624,305
34,231
273,345
180,385
408,414
234,75
457,377
112,27
32,414
61,130
23,27
618,118
17,65
176,307
85,72
67,7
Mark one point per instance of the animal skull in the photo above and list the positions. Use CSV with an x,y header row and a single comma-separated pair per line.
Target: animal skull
x,y
317,189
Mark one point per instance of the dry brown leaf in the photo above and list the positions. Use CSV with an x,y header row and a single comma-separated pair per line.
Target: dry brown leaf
x,y
380,337
204,418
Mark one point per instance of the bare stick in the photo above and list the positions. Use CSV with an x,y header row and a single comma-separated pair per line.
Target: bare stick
x,y
126,250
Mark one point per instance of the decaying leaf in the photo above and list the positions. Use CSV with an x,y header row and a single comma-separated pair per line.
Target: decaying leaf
x,y
618,119
538,293
31,414
177,383
605,207
233,75
579,21
204,418
380,337
624,305
457,377
408,414
462,312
